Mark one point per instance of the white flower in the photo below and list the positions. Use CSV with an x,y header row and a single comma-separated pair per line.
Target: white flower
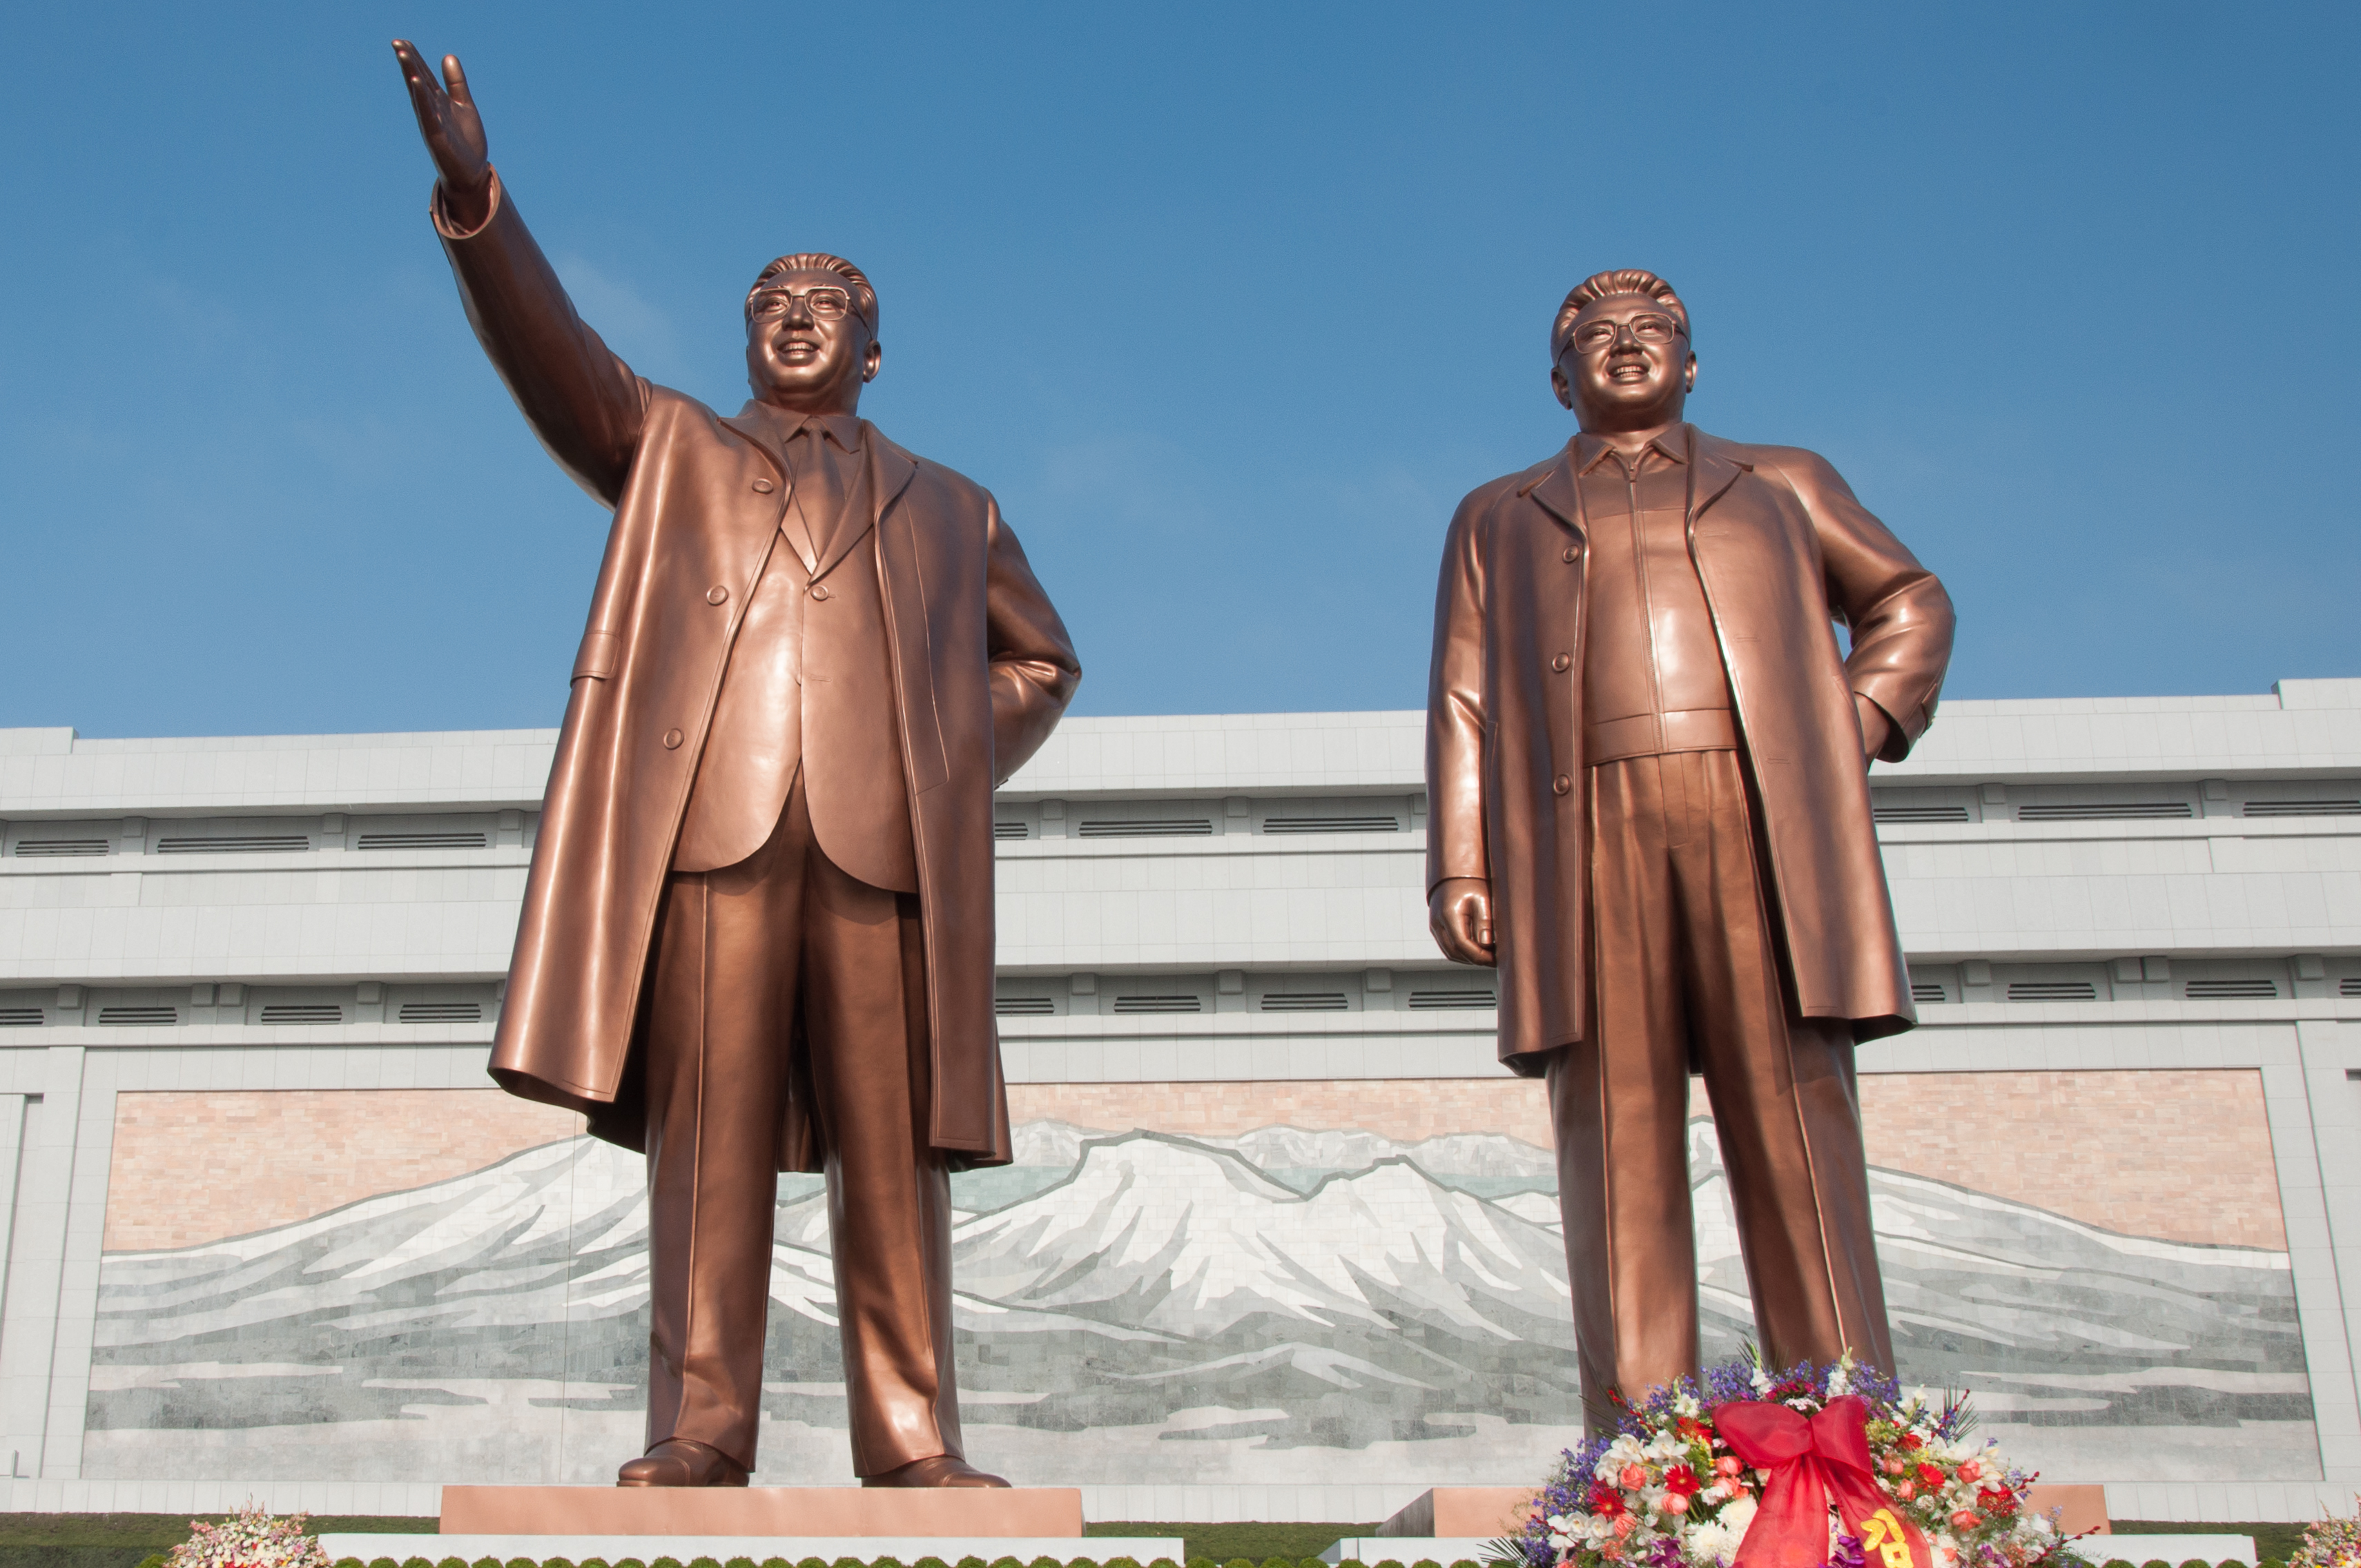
x,y
1841,1376
1761,1381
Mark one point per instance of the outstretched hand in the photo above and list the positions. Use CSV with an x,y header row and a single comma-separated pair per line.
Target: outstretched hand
x,y
453,133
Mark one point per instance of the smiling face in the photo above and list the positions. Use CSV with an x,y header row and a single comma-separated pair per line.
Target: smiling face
x,y
808,349
1626,365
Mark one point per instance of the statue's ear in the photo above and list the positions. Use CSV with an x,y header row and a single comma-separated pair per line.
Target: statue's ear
x,y
870,360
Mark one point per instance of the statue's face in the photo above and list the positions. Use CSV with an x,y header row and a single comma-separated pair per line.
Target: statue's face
x,y
806,348
1626,365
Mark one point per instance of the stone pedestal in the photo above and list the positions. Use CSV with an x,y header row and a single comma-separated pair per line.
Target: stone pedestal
x,y
1481,1513
976,1513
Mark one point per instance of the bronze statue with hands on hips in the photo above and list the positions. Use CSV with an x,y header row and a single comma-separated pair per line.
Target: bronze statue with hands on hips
x,y
1649,807
757,933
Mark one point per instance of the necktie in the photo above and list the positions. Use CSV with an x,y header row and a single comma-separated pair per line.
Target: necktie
x,y
819,484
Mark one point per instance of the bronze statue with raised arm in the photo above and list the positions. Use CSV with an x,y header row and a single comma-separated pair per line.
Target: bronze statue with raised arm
x,y
1647,767
757,934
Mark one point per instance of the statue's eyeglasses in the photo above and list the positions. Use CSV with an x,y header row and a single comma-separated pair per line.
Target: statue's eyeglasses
x,y
826,304
1651,328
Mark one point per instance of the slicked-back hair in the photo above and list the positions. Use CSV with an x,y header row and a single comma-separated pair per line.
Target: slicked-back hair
x,y
1600,286
864,297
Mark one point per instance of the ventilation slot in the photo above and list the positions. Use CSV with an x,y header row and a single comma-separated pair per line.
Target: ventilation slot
x,y
2051,991
1927,991
1011,830
1026,1006
2300,809
1303,1001
441,1013
237,844
2349,986
1158,1004
1152,828
134,1016
2231,990
303,1012
1920,812
2127,811
1332,824
1450,1001
20,1017
53,847
423,840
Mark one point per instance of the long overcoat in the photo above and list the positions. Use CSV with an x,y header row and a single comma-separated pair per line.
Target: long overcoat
x,y
981,668
1786,553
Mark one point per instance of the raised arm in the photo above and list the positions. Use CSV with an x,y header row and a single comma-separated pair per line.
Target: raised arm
x,y
1034,670
584,403
1900,618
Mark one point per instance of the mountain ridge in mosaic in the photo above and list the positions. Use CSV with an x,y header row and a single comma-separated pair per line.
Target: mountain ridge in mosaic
x,y
1132,1306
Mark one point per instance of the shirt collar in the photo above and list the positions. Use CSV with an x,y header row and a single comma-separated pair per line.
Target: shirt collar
x,y
1590,450
843,429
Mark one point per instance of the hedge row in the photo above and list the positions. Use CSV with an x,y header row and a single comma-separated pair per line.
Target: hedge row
x,y
891,1563
1037,1563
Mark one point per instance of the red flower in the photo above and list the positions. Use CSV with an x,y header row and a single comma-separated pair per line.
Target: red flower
x,y
1682,1482
1971,1470
1997,1500
1929,1477
1606,1501
1910,1440
1965,1518
1691,1429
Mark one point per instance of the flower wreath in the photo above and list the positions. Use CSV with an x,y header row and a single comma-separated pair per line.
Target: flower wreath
x,y
1746,1472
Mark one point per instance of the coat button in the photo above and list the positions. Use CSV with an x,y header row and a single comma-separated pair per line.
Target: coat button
x,y
1562,663
1560,784
673,739
717,593
1570,553
763,487
819,590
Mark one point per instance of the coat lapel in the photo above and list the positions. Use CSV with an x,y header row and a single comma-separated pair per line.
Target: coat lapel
x,y
1559,493
764,440
1712,472
886,472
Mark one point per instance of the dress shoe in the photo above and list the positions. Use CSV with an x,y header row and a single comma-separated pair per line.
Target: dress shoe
x,y
678,1461
943,1470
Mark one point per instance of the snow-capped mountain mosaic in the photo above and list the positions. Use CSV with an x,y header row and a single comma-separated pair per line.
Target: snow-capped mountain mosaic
x,y
1285,1306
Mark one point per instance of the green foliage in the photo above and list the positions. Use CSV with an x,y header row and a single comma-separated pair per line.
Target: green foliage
x,y
930,1562
2196,1563
2121,1563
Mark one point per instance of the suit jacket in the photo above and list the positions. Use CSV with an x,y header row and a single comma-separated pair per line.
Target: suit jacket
x,y
1783,552
981,669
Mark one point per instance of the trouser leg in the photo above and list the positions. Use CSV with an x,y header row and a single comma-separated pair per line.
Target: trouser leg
x,y
1620,1103
888,1190
1785,1104
717,1054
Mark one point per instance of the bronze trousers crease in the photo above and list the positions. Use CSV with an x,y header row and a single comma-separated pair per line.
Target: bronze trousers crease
x,y
741,953
1684,970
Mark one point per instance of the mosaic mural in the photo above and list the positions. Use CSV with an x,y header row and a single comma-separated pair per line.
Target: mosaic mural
x,y
1276,1304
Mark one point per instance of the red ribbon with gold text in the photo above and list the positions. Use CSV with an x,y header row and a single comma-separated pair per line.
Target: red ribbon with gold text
x,y
1811,1460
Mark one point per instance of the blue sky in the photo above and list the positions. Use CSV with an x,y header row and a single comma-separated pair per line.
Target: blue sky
x,y
1227,305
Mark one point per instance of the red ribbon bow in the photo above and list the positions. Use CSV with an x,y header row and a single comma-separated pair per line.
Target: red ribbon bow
x,y
1809,1461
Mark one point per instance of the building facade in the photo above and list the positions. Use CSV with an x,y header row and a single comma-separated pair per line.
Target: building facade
x,y
1281,1238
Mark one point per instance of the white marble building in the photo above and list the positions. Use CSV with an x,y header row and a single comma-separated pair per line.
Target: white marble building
x,y
2146,888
